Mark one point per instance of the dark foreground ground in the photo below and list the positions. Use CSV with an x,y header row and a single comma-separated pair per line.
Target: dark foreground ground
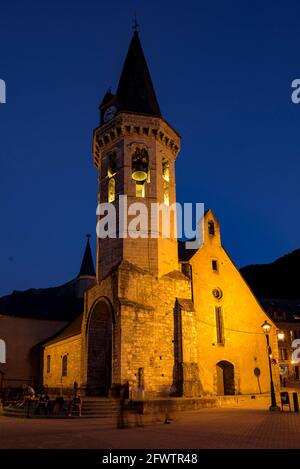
x,y
248,426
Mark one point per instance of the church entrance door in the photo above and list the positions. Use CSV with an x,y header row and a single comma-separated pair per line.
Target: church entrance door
x,y
99,340
225,378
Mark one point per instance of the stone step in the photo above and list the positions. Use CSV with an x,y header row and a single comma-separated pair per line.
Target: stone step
x,y
91,408
23,414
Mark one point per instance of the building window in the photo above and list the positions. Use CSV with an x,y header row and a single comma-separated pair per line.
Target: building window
x,y
2,351
166,180
283,354
219,325
296,334
48,363
112,164
217,293
140,170
214,265
211,228
64,365
111,190
141,377
166,193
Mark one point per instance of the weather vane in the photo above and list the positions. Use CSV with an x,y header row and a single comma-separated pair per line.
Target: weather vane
x,y
136,26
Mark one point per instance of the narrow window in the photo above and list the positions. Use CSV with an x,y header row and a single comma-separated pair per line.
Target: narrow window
x,y
48,363
141,377
64,366
2,351
166,180
112,164
111,190
283,354
166,193
211,228
219,325
214,265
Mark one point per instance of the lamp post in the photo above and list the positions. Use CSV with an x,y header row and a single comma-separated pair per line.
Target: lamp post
x,y
266,327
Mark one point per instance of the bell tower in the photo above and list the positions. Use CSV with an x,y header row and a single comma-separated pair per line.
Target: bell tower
x,y
134,152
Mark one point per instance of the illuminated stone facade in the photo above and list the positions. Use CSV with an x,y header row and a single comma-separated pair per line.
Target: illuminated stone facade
x,y
155,319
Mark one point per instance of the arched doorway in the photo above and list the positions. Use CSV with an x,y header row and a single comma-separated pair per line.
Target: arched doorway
x,y
99,339
225,378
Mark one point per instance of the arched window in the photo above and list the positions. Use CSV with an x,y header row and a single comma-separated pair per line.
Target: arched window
x,y
111,190
140,170
64,365
2,351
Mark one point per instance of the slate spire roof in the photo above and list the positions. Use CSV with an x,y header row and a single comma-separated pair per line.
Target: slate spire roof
x,y
87,266
135,91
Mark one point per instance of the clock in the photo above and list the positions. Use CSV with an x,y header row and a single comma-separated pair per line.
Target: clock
x,y
109,113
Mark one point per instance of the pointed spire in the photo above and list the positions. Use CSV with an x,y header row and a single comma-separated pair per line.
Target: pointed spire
x,y
87,265
135,90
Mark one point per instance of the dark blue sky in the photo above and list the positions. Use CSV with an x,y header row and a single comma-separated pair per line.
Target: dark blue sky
x,y
222,73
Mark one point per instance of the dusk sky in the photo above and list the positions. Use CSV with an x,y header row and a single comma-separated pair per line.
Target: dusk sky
x,y
222,72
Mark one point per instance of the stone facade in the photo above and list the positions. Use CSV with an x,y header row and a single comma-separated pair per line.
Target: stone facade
x,y
189,328
53,371
161,331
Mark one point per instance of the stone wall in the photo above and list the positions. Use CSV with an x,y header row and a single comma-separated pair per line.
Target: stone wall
x,y
71,347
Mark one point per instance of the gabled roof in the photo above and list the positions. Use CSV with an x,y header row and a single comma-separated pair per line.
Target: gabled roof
x,y
135,91
87,266
72,329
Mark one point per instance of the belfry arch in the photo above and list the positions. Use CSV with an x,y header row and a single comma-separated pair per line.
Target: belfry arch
x,y
99,348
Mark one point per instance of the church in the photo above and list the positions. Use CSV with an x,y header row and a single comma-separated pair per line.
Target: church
x,y
158,315
155,314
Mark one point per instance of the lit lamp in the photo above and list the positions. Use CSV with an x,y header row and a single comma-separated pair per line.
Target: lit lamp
x,y
266,327
280,335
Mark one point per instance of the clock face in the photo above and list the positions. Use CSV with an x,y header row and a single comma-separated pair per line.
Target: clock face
x,y
109,113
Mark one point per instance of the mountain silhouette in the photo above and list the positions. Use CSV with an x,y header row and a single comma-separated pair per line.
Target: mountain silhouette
x,y
279,279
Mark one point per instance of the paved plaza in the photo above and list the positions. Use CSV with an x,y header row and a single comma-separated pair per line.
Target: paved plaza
x,y
248,426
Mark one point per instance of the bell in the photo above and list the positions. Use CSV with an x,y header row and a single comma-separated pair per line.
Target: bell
x,y
139,172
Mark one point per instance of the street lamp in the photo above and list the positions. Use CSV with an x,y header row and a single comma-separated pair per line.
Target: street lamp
x,y
280,335
266,327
